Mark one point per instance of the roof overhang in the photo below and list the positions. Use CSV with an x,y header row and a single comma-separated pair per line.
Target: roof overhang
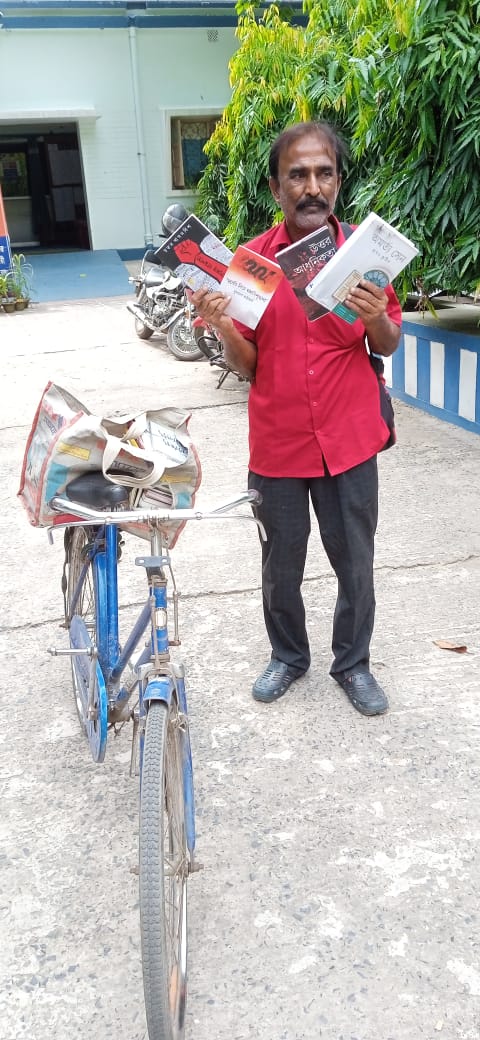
x,y
47,115
114,14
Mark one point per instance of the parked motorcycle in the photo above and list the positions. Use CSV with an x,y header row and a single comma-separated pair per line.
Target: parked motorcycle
x,y
161,304
212,348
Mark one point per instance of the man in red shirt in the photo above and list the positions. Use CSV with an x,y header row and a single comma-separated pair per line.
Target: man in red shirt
x,y
315,427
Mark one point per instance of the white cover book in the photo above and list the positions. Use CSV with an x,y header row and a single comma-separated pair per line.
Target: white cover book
x,y
375,251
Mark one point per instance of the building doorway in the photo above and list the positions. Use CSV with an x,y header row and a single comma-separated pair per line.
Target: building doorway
x,y
43,188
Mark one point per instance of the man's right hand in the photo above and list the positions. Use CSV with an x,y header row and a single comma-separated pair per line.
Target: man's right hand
x,y
211,307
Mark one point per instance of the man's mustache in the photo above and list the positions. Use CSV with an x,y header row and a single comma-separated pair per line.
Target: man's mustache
x,y
316,203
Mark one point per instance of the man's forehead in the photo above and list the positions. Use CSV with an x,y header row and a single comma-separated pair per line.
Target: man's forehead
x,y
313,149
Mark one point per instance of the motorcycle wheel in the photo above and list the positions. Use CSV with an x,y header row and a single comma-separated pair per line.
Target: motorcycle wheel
x,y
143,332
181,340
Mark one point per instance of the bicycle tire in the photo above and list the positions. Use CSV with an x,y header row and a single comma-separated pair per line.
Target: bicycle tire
x,y
164,865
81,621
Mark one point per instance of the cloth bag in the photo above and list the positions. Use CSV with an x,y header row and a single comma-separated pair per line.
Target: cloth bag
x,y
386,406
149,450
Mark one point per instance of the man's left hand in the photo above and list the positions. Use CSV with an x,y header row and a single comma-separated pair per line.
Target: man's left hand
x,y
370,304
368,301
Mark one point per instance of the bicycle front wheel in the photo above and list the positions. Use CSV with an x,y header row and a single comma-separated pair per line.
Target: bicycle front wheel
x,y
164,865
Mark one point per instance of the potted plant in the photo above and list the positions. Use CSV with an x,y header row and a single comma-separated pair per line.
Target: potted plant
x,y
3,287
19,278
7,298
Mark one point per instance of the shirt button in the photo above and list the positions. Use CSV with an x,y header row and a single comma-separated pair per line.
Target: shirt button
x,y
311,372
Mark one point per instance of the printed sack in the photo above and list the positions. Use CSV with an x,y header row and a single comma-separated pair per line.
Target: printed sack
x,y
148,450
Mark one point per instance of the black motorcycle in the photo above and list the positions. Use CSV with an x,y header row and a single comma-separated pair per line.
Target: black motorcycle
x,y
161,304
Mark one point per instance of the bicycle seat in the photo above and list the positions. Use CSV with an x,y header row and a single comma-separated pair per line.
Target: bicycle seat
x,y
94,490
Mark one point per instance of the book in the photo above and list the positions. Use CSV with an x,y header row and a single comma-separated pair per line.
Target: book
x,y
302,260
375,251
250,280
195,255
202,261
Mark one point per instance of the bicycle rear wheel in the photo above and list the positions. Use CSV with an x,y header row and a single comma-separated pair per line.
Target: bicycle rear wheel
x,y
81,621
164,865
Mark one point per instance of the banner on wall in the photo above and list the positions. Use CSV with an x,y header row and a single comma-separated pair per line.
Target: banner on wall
x,y
5,251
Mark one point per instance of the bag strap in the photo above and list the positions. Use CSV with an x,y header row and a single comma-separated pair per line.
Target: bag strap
x,y
346,228
114,447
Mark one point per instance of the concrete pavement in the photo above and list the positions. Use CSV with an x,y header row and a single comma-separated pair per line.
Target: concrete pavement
x,y
340,894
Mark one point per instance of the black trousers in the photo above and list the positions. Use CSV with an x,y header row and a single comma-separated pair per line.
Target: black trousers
x,y
346,507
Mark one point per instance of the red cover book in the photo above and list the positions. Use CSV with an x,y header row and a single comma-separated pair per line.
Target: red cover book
x,y
300,263
250,280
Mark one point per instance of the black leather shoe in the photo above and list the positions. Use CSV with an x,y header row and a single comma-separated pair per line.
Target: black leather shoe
x,y
363,691
274,681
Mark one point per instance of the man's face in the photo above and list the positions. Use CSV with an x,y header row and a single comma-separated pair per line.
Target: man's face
x,y
307,185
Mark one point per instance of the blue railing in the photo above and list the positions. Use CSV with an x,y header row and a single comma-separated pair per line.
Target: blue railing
x,y
438,371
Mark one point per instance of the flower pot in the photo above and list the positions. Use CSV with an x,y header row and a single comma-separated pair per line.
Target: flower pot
x,y
9,307
21,304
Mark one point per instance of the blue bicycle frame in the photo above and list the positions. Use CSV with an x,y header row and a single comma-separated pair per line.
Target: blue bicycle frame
x,y
157,678
99,660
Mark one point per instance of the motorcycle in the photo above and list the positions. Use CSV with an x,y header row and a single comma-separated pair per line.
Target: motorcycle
x,y
161,304
212,348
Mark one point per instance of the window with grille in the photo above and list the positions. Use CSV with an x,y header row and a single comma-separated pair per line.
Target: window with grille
x,y
188,136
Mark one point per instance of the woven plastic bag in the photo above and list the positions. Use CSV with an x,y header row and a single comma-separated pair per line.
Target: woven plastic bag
x,y
149,450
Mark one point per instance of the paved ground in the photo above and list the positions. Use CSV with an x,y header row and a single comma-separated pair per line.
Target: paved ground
x,y
340,895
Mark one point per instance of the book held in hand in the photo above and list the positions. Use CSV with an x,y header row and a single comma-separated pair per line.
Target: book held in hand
x,y
250,280
202,261
302,260
375,251
195,255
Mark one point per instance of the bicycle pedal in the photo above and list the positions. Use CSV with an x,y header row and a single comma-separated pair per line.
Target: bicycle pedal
x,y
195,867
71,651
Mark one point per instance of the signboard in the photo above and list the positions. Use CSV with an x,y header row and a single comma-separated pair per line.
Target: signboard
x,y
5,251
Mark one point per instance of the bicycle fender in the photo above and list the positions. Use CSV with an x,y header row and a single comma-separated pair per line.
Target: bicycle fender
x,y
160,689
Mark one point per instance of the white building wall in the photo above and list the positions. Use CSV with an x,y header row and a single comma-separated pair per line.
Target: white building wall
x,y
180,72
68,71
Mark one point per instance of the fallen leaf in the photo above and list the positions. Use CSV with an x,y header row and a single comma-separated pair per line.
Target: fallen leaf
x,y
445,644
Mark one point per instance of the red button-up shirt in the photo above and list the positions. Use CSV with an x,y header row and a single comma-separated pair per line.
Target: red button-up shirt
x,y
315,395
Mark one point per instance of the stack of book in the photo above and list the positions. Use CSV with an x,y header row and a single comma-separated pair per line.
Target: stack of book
x,y
322,276
319,274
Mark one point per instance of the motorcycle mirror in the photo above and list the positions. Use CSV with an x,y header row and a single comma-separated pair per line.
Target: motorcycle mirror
x,y
151,257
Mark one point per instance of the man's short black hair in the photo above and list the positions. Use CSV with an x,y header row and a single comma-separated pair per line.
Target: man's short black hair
x,y
292,133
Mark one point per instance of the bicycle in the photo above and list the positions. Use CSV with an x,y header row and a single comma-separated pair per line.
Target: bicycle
x,y
111,686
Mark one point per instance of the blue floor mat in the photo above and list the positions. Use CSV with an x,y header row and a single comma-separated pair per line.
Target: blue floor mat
x,y
78,276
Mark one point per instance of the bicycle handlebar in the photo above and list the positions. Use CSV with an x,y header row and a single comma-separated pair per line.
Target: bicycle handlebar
x,y
89,517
